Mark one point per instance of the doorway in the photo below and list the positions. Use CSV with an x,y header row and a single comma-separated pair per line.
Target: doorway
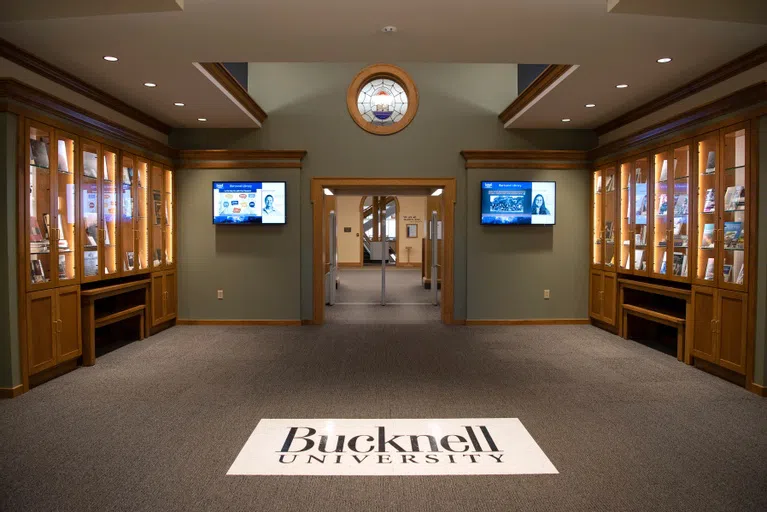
x,y
377,200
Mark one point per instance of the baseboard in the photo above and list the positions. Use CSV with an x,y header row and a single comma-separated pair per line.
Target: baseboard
x,y
238,322
758,389
533,321
52,373
402,264
11,392
352,264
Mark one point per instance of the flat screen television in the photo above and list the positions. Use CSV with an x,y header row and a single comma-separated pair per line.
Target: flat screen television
x,y
249,202
519,202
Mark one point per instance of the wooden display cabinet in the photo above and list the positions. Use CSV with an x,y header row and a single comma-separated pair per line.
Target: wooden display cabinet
x,y
642,218
603,294
625,212
720,319
133,227
164,298
597,206
157,230
168,220
53,327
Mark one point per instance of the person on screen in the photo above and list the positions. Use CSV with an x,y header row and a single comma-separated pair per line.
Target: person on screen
x,y
539,206
269,205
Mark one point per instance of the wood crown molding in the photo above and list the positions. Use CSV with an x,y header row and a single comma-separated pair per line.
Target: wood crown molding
x,y
526,159
70,81
685,124
12,89
542,82
735,67
226,80
240,159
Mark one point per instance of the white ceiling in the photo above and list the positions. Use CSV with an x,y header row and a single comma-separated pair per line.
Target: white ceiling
x,y
610,48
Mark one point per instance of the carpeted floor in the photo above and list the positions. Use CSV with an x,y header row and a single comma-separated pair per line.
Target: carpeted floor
x,y
156,424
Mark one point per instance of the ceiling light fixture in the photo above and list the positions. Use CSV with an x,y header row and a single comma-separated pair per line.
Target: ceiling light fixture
x,y
109,58
202,119
590,105
150,84
621,86
327,191
437,192
664,60
179,104
566,120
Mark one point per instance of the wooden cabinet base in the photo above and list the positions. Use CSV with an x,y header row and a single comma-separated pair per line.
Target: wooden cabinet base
x,y
52,373
719,371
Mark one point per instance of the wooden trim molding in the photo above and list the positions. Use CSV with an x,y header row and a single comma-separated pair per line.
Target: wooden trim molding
x,y
735,67
227,83
11,392
68,80
391,72
26,95
239,322
240,159
542,321
758,389
542,83
686,124
526,159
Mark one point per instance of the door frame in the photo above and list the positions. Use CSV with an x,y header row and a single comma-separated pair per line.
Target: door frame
x,y
317,199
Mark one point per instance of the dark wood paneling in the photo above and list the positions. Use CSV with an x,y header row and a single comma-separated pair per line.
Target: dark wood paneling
x,y
739,65
158,311
225,79
170,295
595,295
69,334
68,80
549,75
731,330
704,315
609,298
41,330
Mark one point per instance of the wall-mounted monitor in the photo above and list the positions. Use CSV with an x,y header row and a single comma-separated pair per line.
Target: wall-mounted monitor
x,y
519,202
249,202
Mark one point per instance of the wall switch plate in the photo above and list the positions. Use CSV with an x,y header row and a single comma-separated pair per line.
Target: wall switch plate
x,y
220,294
546,294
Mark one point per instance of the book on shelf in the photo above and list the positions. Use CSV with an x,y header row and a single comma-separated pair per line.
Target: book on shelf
x,y
707,240
662,205
684,266
38,153
711,163
639,259
641,237
741,243
710,202
609,183
127,176
599,184
157,257
680,241
732,234
35,234
709,270
138,179
627,263
38,274
663,264
90,164
609,231
90,263
727,273
63,161
681,205
62,265
680,225
129,260
106,169
47,226
63,244
739,280
663,171
678,263
157,197
732,198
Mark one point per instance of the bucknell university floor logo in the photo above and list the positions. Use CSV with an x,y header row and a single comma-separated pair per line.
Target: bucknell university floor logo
x,y
489,446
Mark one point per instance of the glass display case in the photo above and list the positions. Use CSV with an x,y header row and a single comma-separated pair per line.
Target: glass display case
x,y
66,203
41,252
660,221
168,229
626,232
708,171
596,221
90,210
642,215
128,205
679,258
733,224
610,227
157,239
142,215
110,219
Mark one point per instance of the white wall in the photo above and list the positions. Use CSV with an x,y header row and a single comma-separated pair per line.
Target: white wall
x,y
412,211
348,215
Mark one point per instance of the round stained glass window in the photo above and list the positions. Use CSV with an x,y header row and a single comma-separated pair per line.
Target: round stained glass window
x,y
382,99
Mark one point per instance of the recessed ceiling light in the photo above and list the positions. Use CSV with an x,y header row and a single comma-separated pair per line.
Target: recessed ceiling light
x,y
663,60
590,105
179,104
621,86
109,58
201,119
150,84
566,120
388,29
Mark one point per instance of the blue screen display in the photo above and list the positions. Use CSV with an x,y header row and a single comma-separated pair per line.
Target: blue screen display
x,y
519,202
248,202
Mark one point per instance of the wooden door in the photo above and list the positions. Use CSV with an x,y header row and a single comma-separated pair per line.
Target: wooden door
x,y
170,295
595,296
41,330
731,330
69,334
609,297
704,309
158,294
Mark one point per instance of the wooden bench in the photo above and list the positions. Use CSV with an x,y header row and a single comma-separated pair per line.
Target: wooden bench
x,y
94,317
657,314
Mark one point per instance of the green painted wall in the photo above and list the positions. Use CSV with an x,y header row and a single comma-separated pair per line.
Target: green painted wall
x,y
459,105
760,349
258,267
10,373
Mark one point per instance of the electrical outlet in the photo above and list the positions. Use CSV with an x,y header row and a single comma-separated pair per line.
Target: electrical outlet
x,y
220,294
546,294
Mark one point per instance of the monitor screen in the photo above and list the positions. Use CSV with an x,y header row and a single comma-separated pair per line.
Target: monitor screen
x,y
519,202
248,202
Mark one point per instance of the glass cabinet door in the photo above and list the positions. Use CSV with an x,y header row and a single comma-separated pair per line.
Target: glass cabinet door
x,y
610,224
168,217
642,214
708,209
65,229
596,221
626,231
681,214
661,221
734,209
127,215
89,210
157,217
142,214
109,213
40,201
